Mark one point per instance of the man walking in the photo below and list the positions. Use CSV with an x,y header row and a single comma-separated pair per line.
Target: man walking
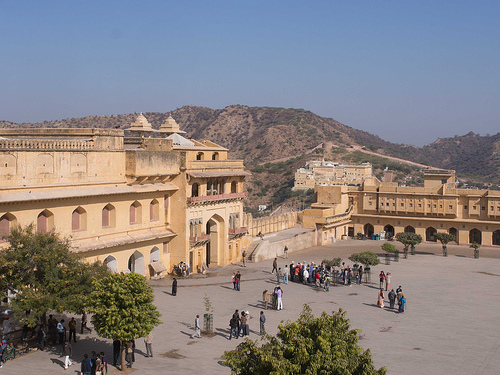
x,y
262,323
84,323
72,329
197,331
148,341
392,298
275,265
285,251
61,331
67,351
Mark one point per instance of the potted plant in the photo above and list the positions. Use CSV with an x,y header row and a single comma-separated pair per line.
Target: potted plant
x,y
388,248
476,247
208,317
444,238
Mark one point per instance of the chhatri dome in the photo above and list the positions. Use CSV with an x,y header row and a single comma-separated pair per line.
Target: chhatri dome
x,y
141,125
170,126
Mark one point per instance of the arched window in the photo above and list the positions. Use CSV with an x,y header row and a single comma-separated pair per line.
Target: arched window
x,y
409,229
110,261
45,221
135,213
108,216
154,210
454,232
430,234
194,190
7,221
154,255
233,187
79,219
199,156
215,156
496,238
475,236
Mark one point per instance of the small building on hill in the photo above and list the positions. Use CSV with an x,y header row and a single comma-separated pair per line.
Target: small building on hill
x,y
327,173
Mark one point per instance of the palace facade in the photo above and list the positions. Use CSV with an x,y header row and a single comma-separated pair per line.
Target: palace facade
x,y
329,173
137,204
438,206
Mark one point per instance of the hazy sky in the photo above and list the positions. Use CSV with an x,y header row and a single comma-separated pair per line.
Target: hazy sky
x,y
408,71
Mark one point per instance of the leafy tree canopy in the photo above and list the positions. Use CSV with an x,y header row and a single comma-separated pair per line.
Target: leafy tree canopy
x,y
408,239
123,307
314,346
444,238
45,275
335,262
389,247
367,258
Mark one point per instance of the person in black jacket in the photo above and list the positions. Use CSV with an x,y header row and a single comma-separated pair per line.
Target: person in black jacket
x,y
86,365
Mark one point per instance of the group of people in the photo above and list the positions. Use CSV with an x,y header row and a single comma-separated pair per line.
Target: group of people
x,y
239,326
393,296
97,364
236,278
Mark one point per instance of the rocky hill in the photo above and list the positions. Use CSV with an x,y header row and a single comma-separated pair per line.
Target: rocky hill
x,y
274,142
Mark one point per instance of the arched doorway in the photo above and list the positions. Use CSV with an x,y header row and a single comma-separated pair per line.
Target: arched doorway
x,y
409,229
496,238
214,250
7,221
136,263
368,229
110,261
430,234
389,231
475,236
454,232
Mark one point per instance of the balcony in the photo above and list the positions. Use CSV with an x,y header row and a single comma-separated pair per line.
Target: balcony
x,y
236,232
198,241
215,199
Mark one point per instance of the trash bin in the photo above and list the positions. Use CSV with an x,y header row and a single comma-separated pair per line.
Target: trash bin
x,y
377,237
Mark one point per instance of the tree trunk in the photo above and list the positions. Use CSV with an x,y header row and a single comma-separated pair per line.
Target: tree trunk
x,y
122,361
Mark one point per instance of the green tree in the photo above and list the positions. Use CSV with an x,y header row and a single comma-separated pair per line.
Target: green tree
x,y
389,247
409,239
45,275
335,262
444,238
476,247
323,345
123,308
367,258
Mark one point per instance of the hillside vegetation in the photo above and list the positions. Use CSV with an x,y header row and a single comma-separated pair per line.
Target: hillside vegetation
x,y
274,142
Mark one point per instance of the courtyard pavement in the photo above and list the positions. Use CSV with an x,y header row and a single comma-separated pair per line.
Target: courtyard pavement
x,y
451,325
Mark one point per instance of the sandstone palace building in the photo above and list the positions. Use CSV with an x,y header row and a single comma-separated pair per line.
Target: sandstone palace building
x,y
438,206
329,173
137,203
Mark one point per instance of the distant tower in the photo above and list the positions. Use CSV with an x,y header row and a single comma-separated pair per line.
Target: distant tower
x,y
141,126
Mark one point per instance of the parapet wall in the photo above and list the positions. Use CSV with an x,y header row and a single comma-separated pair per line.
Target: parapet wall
x,y
270,224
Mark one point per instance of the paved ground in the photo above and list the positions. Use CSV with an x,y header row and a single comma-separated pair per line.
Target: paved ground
x,y
450,326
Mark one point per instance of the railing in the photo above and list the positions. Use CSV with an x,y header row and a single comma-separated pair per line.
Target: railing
x,y
45,144
215,164
208,198
339,217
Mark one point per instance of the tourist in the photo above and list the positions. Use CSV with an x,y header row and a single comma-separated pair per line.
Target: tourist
x,y
401,303
72,329
238,280
148,341
265,297
244,322
382,279
275,265
174,287
104,362
197,331
262,320
285,251
360,275
84,323
243,256
342,272
278,274
236,316
116,352
387,281
392,298
286,273
86,367
380,300
129,350
305,276
99,366
41,338
67,351
279,295
233,325
327,282
349,277
93,359
233,278
61,331
188,268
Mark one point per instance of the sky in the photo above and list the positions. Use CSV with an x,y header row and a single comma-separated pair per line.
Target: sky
x,y
408,71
